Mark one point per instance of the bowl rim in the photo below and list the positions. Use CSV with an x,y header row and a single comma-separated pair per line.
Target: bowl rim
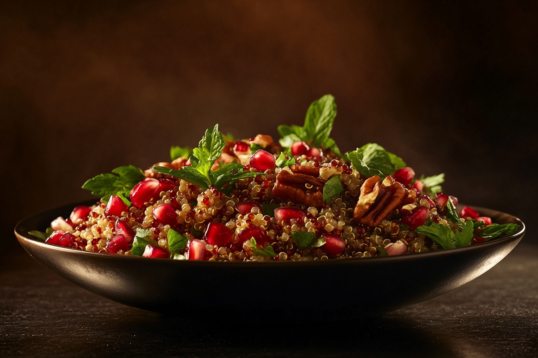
x,y
25,239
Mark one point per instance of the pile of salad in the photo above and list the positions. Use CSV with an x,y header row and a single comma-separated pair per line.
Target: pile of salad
x,y
259,200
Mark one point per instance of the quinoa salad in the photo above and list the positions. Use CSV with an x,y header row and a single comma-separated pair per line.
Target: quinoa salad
x,y
296,199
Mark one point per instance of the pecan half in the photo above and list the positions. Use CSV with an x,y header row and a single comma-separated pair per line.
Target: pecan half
x,y
303,169
300,188
377,201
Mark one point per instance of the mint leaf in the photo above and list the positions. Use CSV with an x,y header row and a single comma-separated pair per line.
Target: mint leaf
x,y
38,235
255,147
403,227
495,231
283,162
210,146
125,198
440,234
432,185
141,240
331,188
464,238
269,209
178,152
176,242
382,251
372,159
197,234
230,173
304,240
319,119
228,137
49,231
268,251
451,213
109,184
189,174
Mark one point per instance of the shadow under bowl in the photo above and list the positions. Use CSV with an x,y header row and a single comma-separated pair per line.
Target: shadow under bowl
x,y
295,292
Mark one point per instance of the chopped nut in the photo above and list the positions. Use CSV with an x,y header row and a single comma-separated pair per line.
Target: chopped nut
x,y
376,201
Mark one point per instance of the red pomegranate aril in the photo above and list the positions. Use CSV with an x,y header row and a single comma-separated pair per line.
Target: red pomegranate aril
x,y
287,213
155,252
54,237
79,213
61,224
419,185
66,240
166,185
485,219
218,234
416,218
117,243
262,160
255,232
144,192
404,175
441,200
299,148
334,245
166,214
122,228
315,153
196,250
241,147
396,248
188,163
454,200
467,212
115,206
426,197
245,208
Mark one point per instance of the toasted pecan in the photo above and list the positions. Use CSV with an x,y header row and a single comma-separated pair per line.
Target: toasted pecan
x,y
377,201
300,188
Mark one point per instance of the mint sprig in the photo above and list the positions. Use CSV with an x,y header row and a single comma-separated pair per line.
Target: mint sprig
x,y
121,181
372,159
176,242
268,251
317,126
307,239
179,152
331,188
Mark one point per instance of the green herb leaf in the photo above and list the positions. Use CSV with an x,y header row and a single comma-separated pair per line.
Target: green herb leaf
x,y
440,234
197,234
319,119
178,152
109,184
228,137
176,242
187,173
255,147
432,185
49,231
211,146
304,240
269,209
38,235
226,175
141,240
268,251
382,251
403,227
331,188
464,238
372,159
125,197
283,162
451,213
495,231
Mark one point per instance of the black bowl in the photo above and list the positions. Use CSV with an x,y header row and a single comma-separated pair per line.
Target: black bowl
x,y
276,292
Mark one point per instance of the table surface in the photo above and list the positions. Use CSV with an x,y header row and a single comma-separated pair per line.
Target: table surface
x,y
495,315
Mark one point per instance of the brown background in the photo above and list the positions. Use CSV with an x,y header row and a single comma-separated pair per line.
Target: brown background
x,y
87,87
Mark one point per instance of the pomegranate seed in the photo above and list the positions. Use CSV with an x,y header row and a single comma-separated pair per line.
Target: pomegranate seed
x,y
188,163
166,214
246,168
196,250
441,200
79,213
61,224
115,206
418,185
416,218
155,252
66,240
454,200
144,192
478,240
334,245
396,248
218,234
166,185
245,208
432,204
485,219
262,160
315,153
404,175
118,242
123,229
54,237
299,148
467,212
241,147
287,213
258,234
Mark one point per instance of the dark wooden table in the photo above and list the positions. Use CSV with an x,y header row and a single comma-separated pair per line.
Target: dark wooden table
x,y
496,315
